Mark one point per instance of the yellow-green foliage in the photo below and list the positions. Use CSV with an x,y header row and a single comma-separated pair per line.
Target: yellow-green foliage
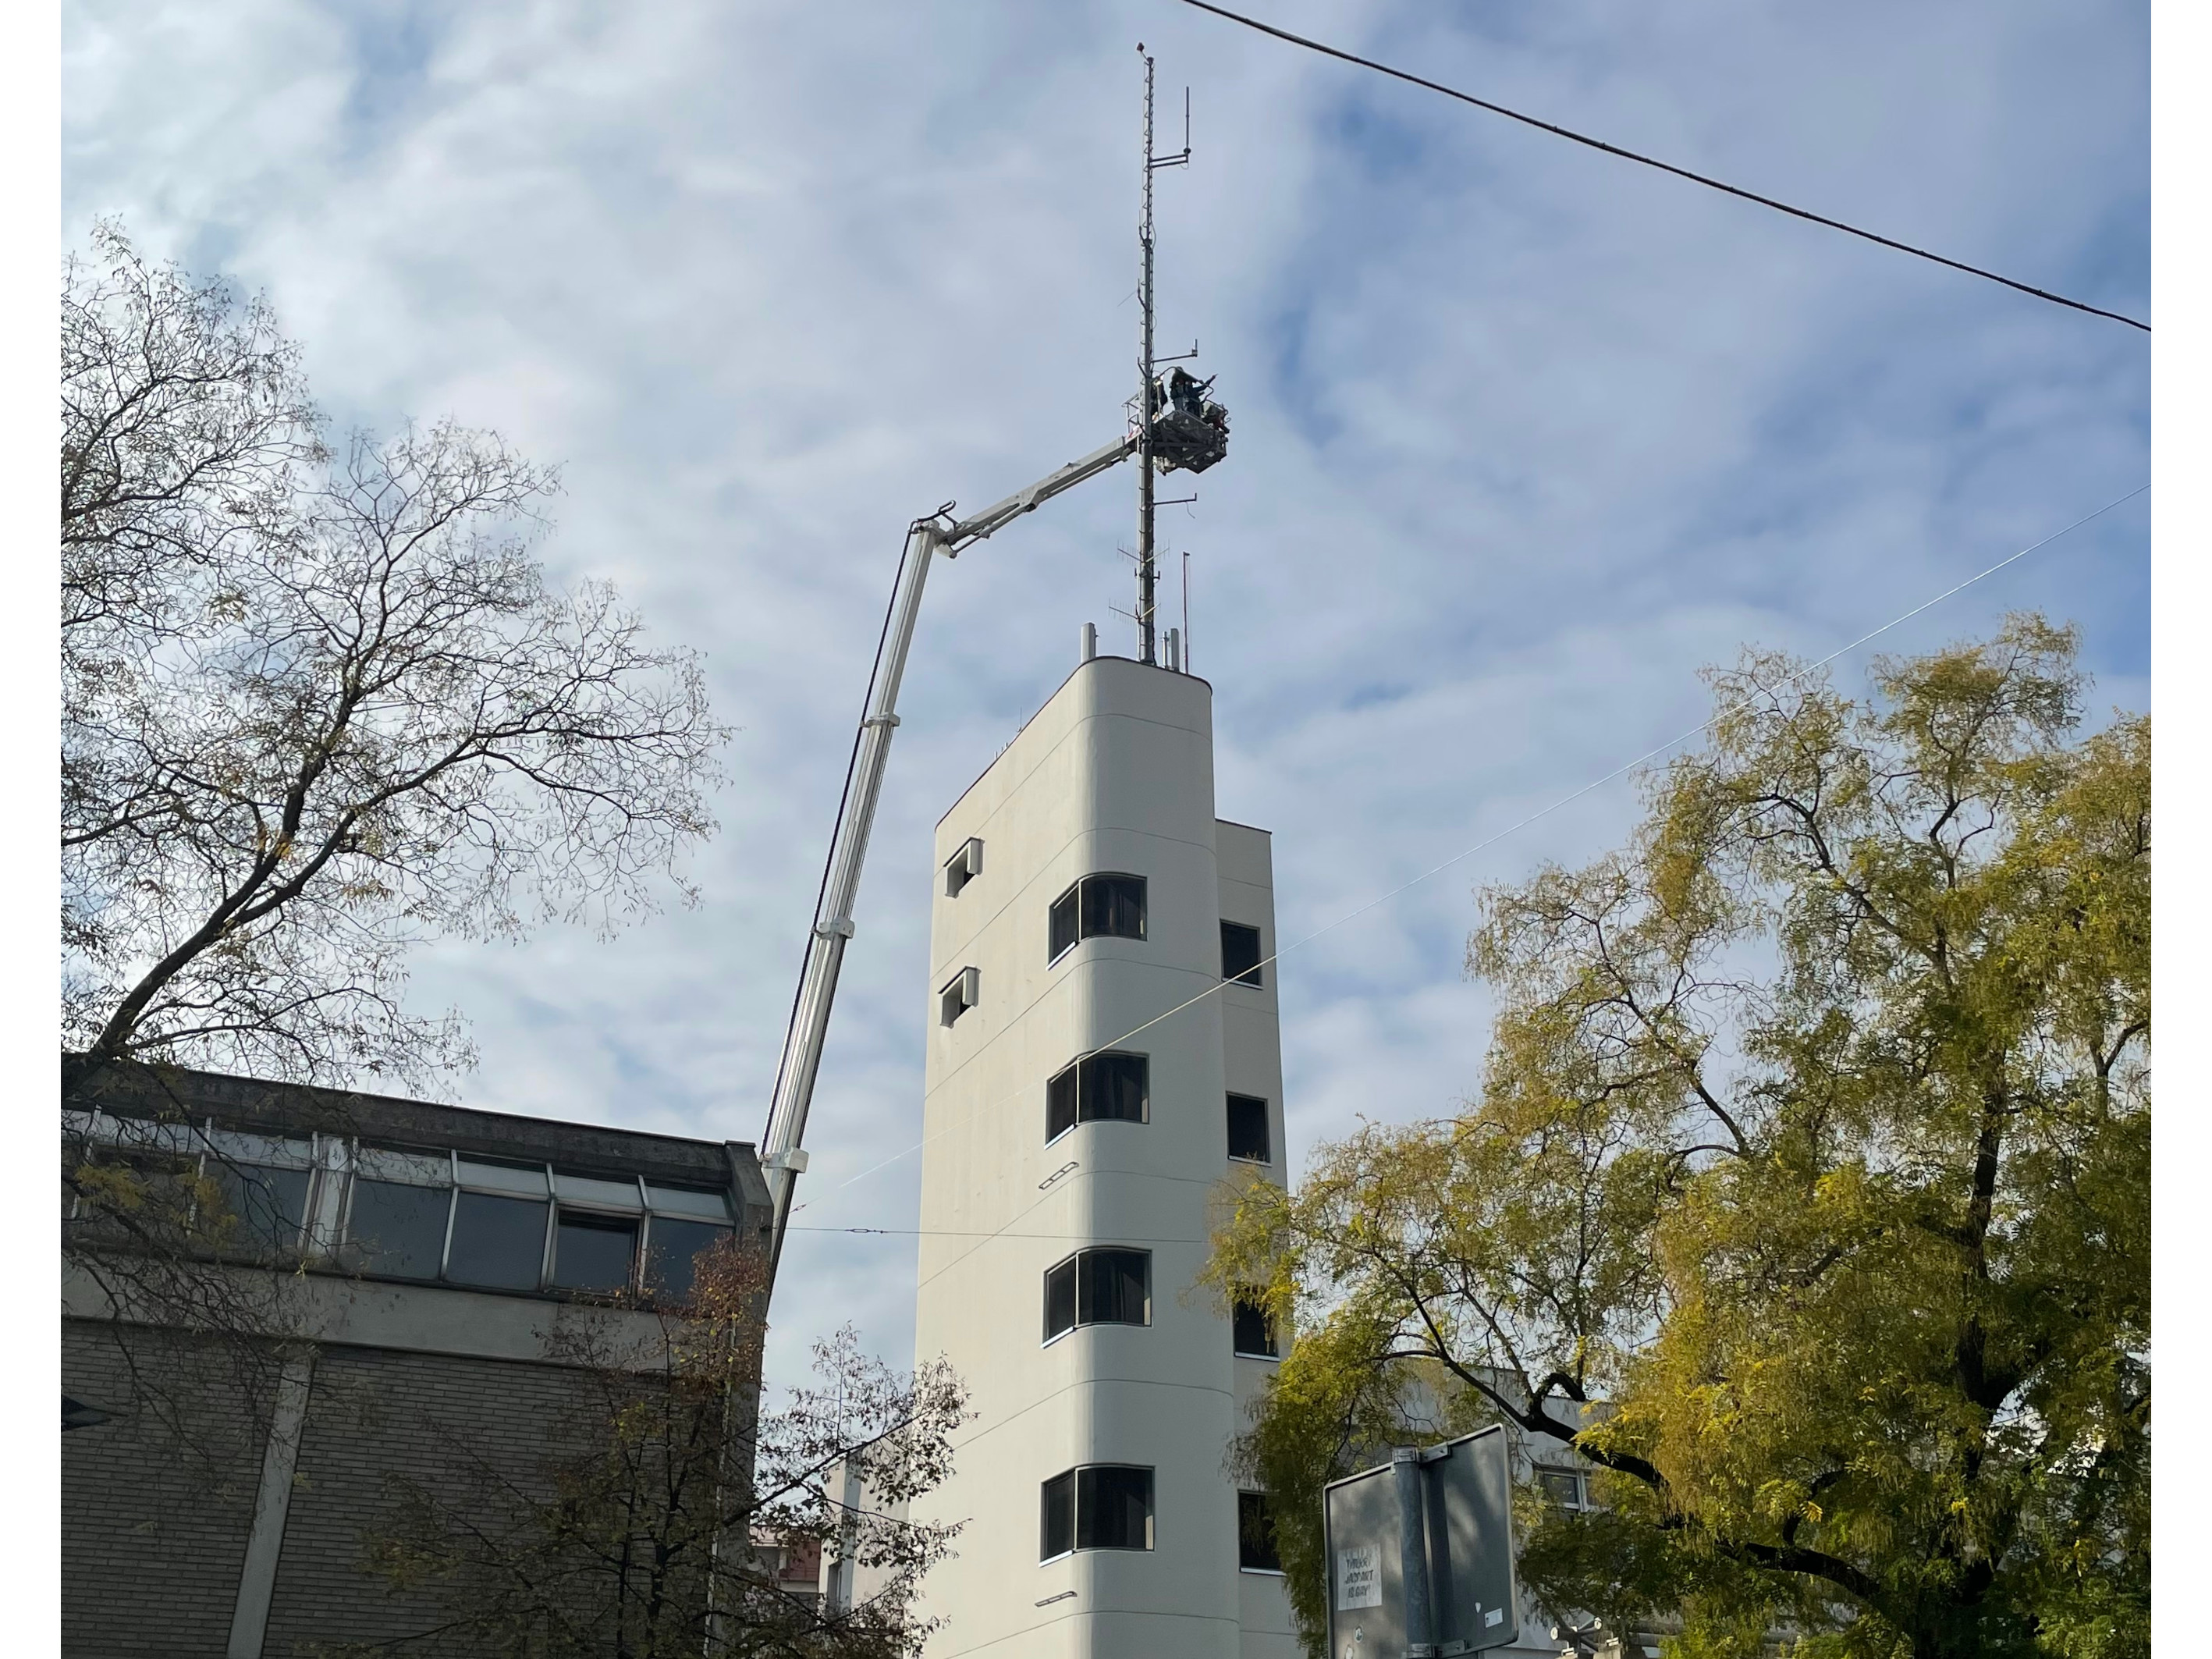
x,y
1807,1189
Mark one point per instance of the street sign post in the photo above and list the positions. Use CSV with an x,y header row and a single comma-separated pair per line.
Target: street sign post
x,y
1420,1553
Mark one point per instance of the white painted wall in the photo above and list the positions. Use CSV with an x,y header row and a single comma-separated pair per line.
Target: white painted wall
x,y
1114,774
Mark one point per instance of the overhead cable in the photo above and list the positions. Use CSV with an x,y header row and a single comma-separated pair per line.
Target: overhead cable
x,y
1522,823
1664,166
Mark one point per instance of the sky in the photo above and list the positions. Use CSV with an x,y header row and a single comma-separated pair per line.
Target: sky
x,y
1522,435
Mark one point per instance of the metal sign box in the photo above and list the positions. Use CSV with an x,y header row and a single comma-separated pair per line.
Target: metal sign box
x,y
1420,1553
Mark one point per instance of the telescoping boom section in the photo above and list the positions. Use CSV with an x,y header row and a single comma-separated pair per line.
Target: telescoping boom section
x,y
1201,438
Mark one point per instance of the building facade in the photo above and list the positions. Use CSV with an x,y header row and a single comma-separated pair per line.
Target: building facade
x,y
1103,1053
406,1298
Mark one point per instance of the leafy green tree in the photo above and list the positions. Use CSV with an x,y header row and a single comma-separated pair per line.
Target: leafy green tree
x,y
1807,1195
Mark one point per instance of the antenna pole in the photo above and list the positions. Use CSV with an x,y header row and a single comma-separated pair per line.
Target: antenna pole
x,y
1147,568
1186,612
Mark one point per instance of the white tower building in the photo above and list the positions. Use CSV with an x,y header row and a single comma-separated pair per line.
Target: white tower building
x,y
1086,889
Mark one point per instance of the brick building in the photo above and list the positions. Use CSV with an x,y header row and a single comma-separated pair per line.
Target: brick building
x,y
410,1290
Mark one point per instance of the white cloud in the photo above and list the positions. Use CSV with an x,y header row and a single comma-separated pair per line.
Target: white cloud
x,y
1522,435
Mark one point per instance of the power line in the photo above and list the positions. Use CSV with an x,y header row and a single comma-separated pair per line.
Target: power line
x,y
1663,166
1520,824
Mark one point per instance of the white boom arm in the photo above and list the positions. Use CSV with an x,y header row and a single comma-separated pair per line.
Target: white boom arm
x,y
782,1158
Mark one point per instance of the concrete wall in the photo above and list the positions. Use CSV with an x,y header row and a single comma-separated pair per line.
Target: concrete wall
x,y
1114,774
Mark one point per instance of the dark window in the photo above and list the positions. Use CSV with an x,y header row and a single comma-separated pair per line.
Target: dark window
x,y
1248,1128
1097,907
1100,1506
1098,1287
1254,1331
958,996
1107,1085
1115,1085
499,1241
1056,1531
1256,1534
1114,907
1113,1508
266,1207
594,1253
1563,1486
1059,1102
396,1229
1240,953
963,866
1115,1287
130,1194
671,1247
1060,1298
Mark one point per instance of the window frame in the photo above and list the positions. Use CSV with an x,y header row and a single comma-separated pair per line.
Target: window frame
x,y
586,1219
1243,1566
1084,1093
1267,1128
347,1242
963,866
324,1236
1073,1476
1240,1307
960,993
1078,895
1076,1262
1543,1472
1249,975
646,1284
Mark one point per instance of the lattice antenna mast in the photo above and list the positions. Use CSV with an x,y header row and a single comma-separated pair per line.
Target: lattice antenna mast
x,y
1147,392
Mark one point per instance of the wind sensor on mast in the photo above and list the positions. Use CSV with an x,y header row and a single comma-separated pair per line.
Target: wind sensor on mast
x,y
1172,427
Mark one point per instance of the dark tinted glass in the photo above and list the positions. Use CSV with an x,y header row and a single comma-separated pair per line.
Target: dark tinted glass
x,y
1060,1103
1240,953
128,1193
1256,1534
1113,1508
1063,921
499,1241
1561,1486
396,1229
1114,907
1060,1298
1113,1086
267,1207
1248,1128
1115,1286
593,1252
1254,1332
671,1247
1056,1530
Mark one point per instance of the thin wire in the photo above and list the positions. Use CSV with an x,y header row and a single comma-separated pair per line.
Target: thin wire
x,y
1542,812
1663,166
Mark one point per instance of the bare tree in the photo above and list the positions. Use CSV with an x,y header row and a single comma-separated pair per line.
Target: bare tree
x,y
320,710
185,419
